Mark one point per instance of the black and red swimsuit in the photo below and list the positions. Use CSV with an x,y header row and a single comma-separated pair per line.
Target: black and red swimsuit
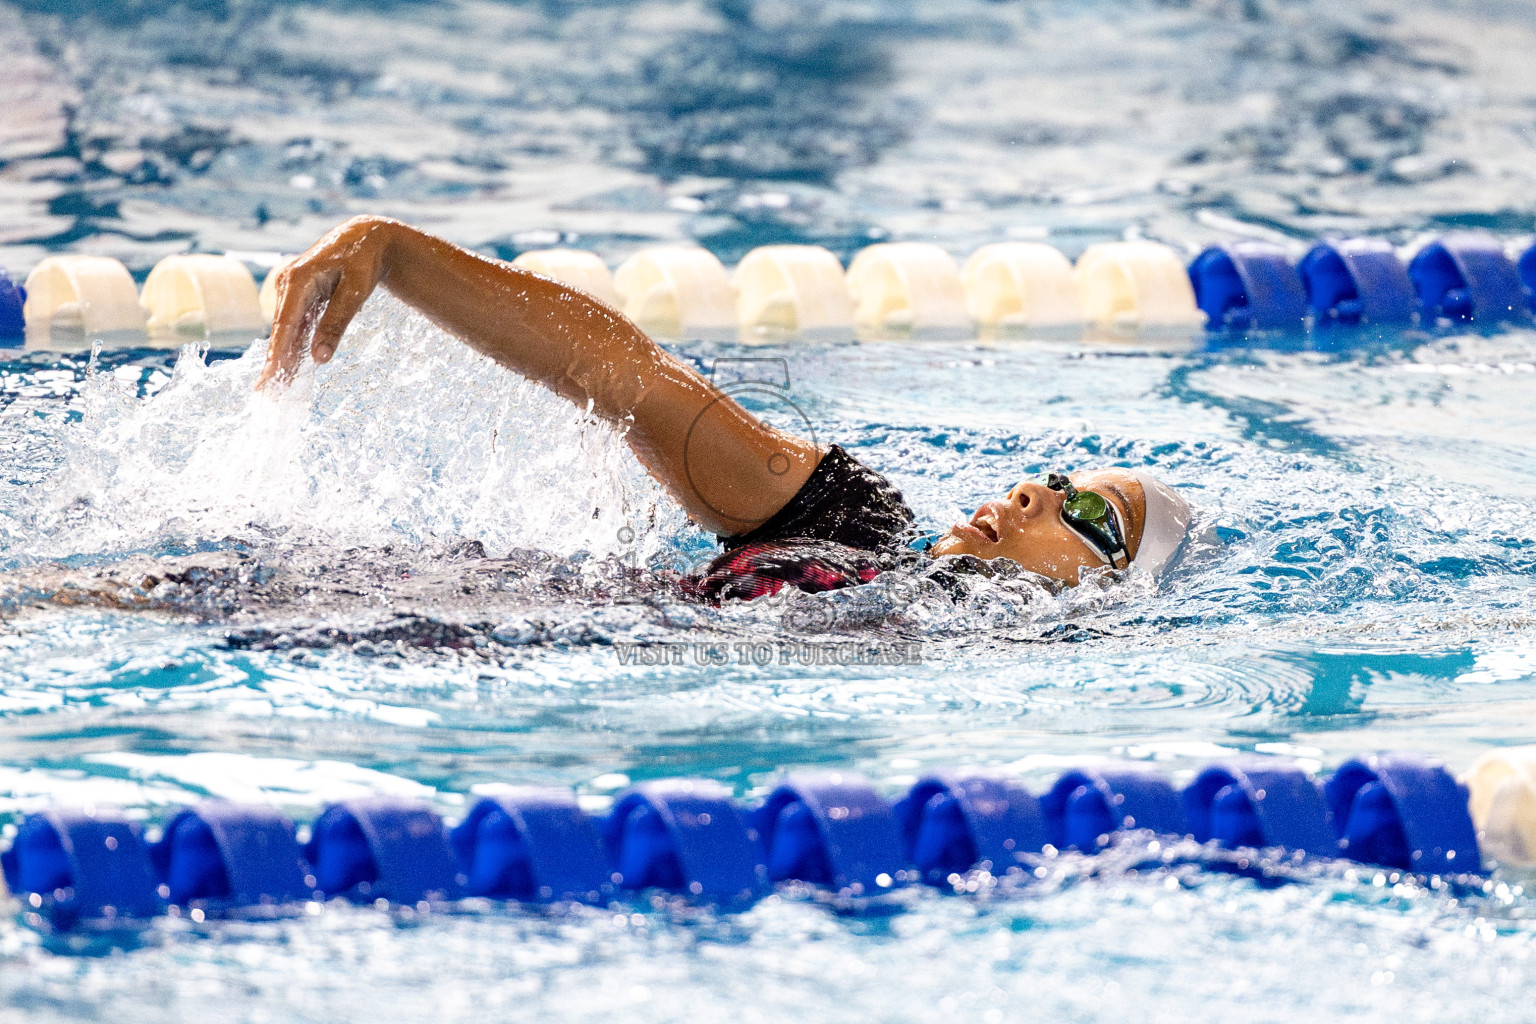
x,y
842,528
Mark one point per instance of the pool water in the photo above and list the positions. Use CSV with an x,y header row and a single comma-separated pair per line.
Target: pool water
x,y
1370,591
414,574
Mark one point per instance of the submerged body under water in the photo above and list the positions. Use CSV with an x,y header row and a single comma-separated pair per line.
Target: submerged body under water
x,y
416,574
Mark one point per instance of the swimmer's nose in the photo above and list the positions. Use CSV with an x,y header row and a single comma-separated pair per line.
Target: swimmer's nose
x,y
1031,498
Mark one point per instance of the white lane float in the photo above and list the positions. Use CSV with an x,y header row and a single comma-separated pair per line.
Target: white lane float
x,y
582,270
91,294
677,292
1502,790
893,290
200,294
792,290
1020,286
267,297
1130,286
907,289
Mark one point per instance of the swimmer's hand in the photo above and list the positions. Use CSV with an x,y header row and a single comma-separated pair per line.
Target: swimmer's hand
x,y
319,293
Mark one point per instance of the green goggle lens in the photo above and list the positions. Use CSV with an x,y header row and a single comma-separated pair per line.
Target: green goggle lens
x,y
1087,506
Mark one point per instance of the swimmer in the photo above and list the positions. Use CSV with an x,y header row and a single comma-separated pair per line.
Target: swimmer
x,y
786,511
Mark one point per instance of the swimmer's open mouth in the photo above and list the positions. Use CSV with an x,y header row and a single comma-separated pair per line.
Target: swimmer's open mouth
x,y
984,524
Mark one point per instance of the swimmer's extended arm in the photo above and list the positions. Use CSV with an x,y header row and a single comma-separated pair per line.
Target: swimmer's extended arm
x,y
729,471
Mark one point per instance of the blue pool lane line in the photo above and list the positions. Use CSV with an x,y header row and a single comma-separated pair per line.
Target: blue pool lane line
x,y
1087,806
1464,278
83,866
532,844
1403,812
1357,282
13,300
1261,803
683,835
1461,280
1247,286
689,836
230,853
1527,270
830,829
954,820
380,848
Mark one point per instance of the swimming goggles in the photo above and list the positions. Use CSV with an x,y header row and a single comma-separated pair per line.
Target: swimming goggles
x,y
1090,515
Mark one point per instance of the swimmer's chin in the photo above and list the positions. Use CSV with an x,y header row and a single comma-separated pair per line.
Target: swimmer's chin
x,y
946,545
954,544
966,539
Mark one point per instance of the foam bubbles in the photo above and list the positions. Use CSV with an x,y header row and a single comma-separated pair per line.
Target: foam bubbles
x,y
406,437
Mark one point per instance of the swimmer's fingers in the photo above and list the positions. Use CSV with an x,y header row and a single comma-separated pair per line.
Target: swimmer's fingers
x,y
346,298
319,293
302,292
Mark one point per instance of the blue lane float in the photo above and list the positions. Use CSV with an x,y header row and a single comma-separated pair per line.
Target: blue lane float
x,y
1248,286
232,855
689,836
532,845
13,298
1527,270
83,866
830,829
1356,282
382,848
954,821
686,836
1085,807
1403,811
1259,803
1465,278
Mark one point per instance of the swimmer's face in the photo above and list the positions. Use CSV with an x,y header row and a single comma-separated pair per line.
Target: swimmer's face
x,y
1026,526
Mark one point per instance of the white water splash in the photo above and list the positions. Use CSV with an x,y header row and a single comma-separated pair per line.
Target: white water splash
x,y
405,437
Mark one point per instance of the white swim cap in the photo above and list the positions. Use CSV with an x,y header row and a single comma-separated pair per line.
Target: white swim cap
x,y
1164,527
